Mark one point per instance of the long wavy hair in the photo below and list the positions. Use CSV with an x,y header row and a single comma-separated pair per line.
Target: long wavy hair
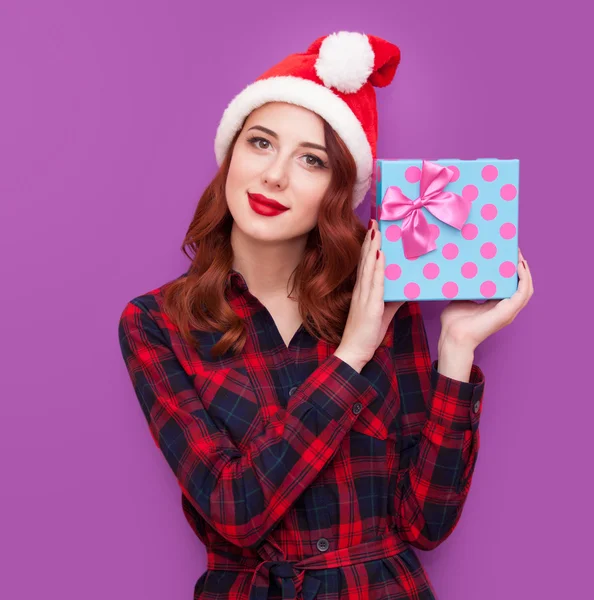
x,y
325,276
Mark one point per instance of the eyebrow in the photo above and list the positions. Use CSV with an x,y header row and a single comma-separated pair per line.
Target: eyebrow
x,y
301,145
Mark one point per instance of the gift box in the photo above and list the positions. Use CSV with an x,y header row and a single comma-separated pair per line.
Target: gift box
x,y
449,227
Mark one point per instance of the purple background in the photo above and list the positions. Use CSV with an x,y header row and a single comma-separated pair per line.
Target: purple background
x,y
108,112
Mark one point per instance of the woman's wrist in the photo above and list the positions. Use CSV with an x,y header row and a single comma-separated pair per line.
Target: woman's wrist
x,y
454,360
356,362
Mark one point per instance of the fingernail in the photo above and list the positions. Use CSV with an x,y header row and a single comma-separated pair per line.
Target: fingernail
x,y
524,264
376,254
372,234
369,225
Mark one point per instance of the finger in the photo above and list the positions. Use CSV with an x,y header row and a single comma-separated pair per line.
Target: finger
x,y
504,311
365,246
525,286
376,292
363,260
522,259
362,256
529,276
369,267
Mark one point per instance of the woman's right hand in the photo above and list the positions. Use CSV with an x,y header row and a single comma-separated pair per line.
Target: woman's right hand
x,y
369,316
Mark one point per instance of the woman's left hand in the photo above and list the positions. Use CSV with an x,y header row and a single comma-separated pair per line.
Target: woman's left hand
x,y
466,324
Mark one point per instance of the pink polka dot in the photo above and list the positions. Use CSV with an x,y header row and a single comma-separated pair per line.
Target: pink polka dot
x,y
431,270
412,290
507,231
449,289
489,212
393,271
412,174
450,251
435,231
508,191
393,233
490,173
456,175
469,270
470,192
469,231
488,250
488,289
507,269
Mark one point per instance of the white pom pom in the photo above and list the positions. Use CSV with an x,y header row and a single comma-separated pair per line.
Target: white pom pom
x,y
345,61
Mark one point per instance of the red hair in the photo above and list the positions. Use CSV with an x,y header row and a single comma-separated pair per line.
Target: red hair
x,y
325,276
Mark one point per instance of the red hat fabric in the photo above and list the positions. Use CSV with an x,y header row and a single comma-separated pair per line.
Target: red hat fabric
x,y
334,78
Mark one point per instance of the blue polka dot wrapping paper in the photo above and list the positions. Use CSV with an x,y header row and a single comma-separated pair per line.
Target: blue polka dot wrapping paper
x,y
475,262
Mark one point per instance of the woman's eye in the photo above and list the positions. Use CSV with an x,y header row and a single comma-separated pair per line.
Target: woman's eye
x,y
317,162
255,141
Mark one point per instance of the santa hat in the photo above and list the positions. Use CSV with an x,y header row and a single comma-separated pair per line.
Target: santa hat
x,y
333,78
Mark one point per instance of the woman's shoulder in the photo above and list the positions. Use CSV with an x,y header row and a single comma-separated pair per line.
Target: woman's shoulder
x,y
151,301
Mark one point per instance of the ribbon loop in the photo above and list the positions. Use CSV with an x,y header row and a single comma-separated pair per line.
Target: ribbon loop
x,y
289,578
448,207
283,569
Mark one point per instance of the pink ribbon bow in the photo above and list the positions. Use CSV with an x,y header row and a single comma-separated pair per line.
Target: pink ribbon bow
x,y
446,206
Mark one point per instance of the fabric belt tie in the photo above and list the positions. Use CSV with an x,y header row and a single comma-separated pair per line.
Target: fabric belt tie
x,y
291,576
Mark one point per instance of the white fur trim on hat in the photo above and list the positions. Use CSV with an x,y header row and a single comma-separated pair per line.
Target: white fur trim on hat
x,y
310,95
345,61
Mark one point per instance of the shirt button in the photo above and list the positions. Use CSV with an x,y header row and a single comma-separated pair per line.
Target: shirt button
x,y
323,544
357,407
476,406
292,390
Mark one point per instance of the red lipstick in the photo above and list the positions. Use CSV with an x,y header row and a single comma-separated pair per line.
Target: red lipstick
x,y
265,206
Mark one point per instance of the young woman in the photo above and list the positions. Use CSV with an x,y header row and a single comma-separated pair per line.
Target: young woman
x,y
314,441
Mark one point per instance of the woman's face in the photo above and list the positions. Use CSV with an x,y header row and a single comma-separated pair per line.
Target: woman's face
x,y
274,157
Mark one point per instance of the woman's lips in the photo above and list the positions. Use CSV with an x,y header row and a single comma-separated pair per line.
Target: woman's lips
x,y
268,201
263,209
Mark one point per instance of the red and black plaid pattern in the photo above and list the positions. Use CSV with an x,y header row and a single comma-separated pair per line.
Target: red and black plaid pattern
x,y
302,477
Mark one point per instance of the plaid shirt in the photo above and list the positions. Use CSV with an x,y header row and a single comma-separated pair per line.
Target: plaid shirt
x,y
301,476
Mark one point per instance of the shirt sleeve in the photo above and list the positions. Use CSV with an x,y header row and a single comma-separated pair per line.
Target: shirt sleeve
x,y
241,494
439,437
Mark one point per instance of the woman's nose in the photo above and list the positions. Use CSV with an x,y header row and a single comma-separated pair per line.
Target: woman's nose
x,y
276,176
270,181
